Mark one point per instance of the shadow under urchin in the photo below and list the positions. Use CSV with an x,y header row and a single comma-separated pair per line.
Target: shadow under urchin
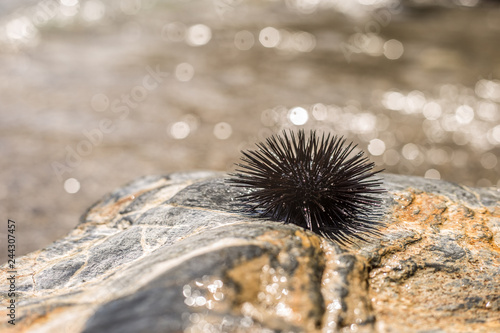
x,y
314,182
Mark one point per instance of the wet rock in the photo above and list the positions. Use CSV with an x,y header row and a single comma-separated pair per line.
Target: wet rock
x,y
171,253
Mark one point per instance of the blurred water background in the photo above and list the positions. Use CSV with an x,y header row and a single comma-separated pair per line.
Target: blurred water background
x,y
96,93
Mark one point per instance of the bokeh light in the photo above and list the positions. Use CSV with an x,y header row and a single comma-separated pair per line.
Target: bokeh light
x,y
432,174
198,35
393,49
376,147
223,131
244,40
269,37
71,185
99,102
180,130
174,31
298,116
184,72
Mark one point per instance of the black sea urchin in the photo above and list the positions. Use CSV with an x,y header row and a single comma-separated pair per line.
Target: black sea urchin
x,y
312,182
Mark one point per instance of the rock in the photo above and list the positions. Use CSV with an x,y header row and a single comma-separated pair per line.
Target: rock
x,y
171,253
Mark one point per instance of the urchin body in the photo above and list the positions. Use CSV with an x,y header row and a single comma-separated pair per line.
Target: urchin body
x,y
313,182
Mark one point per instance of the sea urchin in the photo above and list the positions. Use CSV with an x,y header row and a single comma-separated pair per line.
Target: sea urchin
x,y
311,181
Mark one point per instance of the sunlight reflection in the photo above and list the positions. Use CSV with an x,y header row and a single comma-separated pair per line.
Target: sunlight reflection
x,y
269,37
244,40
198,35
298,116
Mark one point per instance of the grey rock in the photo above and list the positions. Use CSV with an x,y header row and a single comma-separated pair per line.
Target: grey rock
x,y
174,253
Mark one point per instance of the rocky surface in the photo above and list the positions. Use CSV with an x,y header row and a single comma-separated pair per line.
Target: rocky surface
x,y
171,253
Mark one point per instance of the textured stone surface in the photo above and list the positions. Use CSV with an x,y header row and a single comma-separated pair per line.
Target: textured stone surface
x,y
171,253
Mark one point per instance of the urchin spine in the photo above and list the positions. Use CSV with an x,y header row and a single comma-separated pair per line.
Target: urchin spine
x,y
313,182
